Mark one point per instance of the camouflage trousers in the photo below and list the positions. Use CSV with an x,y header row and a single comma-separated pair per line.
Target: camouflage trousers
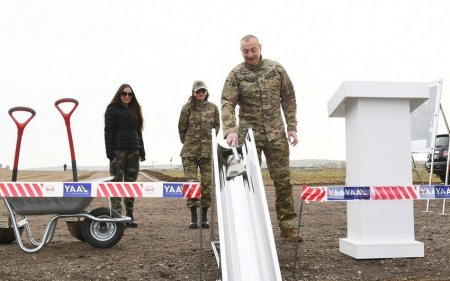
x,y
124,168
277,158
191,165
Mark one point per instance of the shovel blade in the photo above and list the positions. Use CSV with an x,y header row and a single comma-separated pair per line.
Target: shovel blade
x,y
7,234
235,168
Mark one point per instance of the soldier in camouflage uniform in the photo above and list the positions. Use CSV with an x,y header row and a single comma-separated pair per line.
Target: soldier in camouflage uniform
x,y
197,119
124,143
260,86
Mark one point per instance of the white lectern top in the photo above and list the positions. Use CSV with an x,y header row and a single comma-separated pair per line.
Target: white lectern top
x,y
418,92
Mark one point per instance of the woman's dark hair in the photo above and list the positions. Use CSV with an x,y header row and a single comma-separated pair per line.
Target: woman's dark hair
x,y
193,100
134,107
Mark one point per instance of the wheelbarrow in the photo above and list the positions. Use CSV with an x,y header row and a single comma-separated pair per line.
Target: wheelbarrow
x,y
101,227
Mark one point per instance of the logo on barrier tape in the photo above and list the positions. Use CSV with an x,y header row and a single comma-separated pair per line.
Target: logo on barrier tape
x,y
49,189
172,190
149,189
426,191
335,193
357,193
74,189
442,192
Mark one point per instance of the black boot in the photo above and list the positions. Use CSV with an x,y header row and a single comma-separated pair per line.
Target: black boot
x,y
131,223
193,224
205,223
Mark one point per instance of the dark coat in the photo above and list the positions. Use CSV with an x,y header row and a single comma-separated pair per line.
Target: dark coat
x,y
122,131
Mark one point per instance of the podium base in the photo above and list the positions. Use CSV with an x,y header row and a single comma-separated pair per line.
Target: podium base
x,y
412,249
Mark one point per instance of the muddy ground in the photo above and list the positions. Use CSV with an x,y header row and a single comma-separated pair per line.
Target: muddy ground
x,y
163,248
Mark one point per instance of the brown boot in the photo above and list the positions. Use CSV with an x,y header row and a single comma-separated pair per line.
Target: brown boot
x,y
291,235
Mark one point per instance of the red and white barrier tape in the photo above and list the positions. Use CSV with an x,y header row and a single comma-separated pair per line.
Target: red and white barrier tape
x,y
348,193
100,189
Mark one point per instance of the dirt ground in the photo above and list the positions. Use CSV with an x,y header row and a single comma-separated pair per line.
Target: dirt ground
x,y
163,248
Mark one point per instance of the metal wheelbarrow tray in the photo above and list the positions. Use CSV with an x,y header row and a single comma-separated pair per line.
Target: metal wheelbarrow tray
x,y
48,206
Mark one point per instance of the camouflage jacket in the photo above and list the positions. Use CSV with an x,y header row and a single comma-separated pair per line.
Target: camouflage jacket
x,y
259,91
194,128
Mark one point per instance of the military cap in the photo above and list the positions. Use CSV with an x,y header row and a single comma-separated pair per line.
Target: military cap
x,y
199,84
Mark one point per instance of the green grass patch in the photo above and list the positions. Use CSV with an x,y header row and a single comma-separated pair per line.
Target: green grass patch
x,y
319,176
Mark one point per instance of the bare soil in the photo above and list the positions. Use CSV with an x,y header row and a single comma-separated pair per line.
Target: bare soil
x,y
163,248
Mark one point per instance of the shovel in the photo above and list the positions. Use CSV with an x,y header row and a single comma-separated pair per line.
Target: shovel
x,y
7,234
66,117
74,226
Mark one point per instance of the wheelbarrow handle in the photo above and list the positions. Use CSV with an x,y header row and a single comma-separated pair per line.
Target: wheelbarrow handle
x,y
64,100
21,126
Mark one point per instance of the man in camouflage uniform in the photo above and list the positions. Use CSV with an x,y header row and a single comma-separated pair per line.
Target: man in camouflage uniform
x,y
197,119
260,86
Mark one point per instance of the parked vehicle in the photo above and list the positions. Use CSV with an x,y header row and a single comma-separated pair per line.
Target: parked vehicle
x,y
440,157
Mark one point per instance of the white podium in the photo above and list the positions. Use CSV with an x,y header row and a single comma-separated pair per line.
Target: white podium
x,y
378,151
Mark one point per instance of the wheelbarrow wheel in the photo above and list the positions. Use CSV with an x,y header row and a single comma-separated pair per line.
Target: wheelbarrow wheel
x,y
103,234
7,235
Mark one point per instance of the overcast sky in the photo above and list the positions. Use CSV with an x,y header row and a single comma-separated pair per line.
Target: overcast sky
x,y
87,49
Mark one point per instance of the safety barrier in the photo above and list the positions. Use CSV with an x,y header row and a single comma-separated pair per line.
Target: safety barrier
x,y
347,193
101,189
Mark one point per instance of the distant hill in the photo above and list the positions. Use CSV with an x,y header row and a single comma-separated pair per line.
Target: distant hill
x,y
304,163
317,163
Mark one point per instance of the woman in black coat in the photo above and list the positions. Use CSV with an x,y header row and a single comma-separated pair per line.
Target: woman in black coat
x,y
124,143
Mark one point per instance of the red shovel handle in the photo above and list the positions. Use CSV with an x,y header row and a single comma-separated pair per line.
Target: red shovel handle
x,y
20,129
66,115
21,126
